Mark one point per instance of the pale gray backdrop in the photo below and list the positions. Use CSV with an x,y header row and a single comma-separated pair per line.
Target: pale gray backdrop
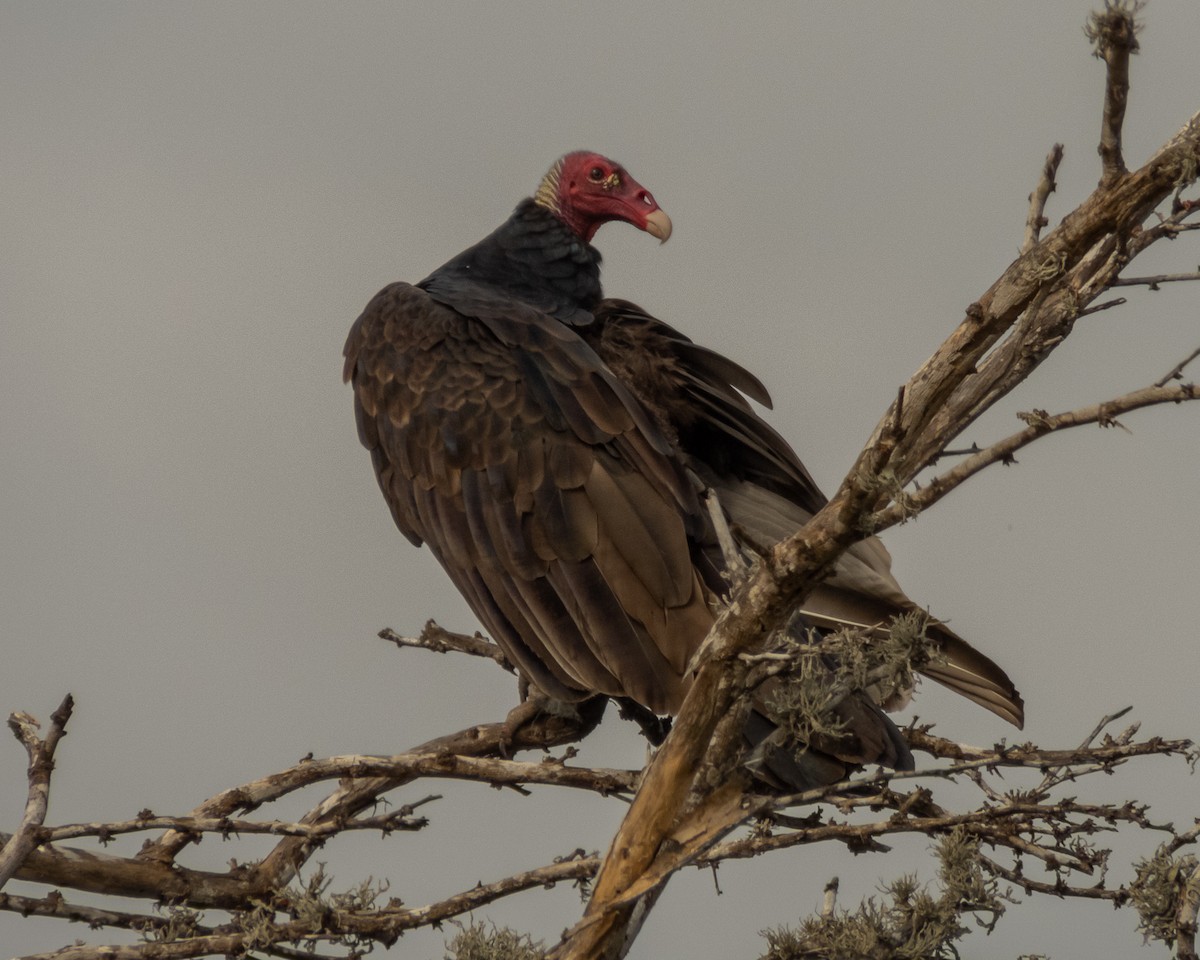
x,y
196,202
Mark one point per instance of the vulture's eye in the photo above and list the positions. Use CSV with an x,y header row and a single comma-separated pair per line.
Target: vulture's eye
x,y
597,174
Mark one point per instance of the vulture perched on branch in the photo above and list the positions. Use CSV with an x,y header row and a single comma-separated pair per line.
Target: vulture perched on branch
x,y
554,449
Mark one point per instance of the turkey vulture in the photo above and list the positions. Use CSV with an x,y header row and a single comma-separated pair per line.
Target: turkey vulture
x,y
553,448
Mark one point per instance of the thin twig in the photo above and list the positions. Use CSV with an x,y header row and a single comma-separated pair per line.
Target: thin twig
x,y
1104,722
962,452
1154,281
1099,307
55,905
1037,199
1169,226
440,640
1176,372
401,820
1058,889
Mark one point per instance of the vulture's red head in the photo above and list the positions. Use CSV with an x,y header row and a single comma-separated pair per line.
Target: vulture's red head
x,y
585,189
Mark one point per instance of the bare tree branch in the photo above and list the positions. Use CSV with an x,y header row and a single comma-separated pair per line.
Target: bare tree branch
x,y
1037,200
1012,822
1038,299
487,740
55,905
41,764
382,926
1114,32
1100,307
1176,372
439,640
1186,917
1154,281
401,819
1040,424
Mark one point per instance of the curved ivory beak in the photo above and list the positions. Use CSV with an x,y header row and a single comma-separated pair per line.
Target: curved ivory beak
x,y
658,224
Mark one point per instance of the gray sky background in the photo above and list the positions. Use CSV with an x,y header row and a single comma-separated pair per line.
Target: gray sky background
x,y
197,201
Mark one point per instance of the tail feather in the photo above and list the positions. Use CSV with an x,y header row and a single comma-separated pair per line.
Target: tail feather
x,y
964,669
863,593
968,672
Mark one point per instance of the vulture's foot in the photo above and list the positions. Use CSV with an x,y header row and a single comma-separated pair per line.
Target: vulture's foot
x,y
556,718
524,712
654,728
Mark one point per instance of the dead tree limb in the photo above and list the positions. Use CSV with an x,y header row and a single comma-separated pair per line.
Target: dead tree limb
x,y
1114,30
1040,424
1011,329
41,764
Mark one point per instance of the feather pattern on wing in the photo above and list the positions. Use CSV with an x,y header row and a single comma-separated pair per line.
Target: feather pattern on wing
x,y
541,485
765,490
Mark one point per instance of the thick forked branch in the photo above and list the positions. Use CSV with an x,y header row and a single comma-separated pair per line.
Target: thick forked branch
x,y
1038,298
1033,305
1040,424
41,763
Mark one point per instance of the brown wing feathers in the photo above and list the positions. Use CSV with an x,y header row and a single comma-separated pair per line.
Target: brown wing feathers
x,y
766,491
542,489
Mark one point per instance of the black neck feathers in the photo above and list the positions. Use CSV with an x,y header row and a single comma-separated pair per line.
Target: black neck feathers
x,y
532,257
